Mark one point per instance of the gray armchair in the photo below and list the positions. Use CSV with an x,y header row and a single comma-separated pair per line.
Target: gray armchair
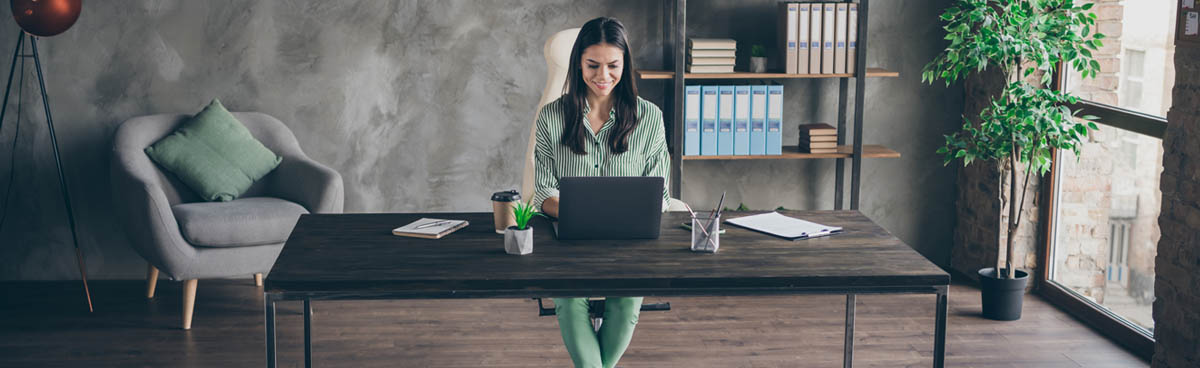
x,y
189,239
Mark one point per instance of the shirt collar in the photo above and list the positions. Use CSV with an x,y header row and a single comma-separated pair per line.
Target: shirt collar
x,y
587,107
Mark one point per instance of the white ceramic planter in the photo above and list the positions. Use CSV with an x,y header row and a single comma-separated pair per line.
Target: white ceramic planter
x,y
518,242
758,65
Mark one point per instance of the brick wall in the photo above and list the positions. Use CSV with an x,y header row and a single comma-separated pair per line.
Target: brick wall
x,y
982,203
977,230
1177,266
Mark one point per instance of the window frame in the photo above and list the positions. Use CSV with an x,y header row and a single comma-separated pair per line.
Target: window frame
x,y
1106,322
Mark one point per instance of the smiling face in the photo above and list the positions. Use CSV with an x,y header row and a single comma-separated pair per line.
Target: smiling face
x,y
602,66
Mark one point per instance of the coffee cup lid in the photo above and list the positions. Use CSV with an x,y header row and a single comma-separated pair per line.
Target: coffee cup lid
x,y
506,196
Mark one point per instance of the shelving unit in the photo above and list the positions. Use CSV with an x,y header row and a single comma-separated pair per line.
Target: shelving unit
x,y
674,53
793,153
666,74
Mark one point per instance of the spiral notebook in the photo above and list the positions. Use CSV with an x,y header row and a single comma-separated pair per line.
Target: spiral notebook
x,y
430,228
785,227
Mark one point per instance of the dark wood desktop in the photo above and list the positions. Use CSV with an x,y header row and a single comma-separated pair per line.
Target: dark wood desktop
x,y
355,256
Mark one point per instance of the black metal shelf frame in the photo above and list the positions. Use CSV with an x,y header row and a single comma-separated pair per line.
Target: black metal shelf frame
x,y
674,55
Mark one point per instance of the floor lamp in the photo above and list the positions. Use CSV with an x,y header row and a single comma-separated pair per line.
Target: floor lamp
x,y
45,18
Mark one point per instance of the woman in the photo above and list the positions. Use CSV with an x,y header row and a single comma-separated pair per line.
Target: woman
x,y
600,127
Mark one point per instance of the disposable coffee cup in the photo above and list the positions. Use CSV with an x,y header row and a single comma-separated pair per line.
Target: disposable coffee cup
x,y
502,209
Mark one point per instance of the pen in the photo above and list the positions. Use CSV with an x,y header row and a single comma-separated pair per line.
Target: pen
x,y
432,224
719,204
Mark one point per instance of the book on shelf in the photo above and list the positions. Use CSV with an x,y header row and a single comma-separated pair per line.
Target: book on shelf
x,y
814,38
839,53
774,138
430,228
710,68
829,23
712,43
819,138
691,136
741,120
708,120
725,120
816,145
802,38
723,53
851,37
818,150
710,60
787,24
817,129
758,120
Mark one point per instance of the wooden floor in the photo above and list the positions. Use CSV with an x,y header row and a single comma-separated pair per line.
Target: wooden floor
x,y
47,324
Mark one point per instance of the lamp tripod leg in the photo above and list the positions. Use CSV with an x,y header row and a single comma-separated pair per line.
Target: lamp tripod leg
x,y
8,86
37,61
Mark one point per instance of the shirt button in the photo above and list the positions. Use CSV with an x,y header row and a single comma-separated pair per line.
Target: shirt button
x,y
597,166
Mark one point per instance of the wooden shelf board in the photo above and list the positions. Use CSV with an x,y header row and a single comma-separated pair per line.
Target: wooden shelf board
x,y
793,153
662,74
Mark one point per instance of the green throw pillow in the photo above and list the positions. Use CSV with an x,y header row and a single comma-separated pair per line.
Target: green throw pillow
x,y
214,154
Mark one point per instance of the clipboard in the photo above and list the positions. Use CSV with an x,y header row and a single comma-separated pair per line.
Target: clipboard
x,y
785,227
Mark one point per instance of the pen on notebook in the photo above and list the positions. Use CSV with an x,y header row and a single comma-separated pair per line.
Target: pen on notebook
x,y
432,224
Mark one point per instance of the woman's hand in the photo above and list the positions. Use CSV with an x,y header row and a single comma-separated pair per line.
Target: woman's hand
x,y
550,207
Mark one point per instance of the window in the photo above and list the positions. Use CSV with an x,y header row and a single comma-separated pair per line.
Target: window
x,y
1103,233
1131,79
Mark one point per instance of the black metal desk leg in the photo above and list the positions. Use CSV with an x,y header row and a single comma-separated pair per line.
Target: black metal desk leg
x,y
939,334
269,305
848,348
307,333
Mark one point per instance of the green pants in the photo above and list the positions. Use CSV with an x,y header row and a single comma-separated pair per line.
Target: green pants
x,y
587,348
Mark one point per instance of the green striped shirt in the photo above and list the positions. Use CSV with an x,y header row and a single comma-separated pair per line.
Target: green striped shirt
x,y
646,156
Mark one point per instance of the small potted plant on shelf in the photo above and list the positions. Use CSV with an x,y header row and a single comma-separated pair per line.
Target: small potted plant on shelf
x,y
518,239
758,59
1026,121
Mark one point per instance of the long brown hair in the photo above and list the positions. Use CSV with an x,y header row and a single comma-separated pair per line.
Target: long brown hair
x,y
596,31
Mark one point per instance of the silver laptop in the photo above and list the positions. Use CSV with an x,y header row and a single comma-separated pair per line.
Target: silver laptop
x,y
609,207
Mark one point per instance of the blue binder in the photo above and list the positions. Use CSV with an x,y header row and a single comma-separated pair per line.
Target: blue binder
x,y
725,120
758,120
691,135
708,120
775,120
741,120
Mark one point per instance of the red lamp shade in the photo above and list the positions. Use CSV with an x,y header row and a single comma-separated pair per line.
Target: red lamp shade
x,y
46,18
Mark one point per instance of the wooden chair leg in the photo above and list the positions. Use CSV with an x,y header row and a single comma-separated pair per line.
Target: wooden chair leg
x,y
151,281
189,301
258,279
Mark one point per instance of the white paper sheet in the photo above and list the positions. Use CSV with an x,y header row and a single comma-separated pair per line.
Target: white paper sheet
x,y
779,225
1192,25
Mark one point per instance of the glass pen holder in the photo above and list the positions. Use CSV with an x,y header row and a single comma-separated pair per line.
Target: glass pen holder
x,y
705,233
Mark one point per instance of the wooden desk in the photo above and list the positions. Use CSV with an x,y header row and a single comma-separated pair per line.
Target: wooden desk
x,y
355,256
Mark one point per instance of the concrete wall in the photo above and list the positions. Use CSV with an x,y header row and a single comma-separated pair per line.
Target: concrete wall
x,y
426,106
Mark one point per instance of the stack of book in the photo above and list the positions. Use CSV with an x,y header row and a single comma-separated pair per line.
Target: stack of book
x,y
818,138
711,55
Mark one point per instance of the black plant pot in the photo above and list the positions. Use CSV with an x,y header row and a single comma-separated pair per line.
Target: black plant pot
x,y
1001,296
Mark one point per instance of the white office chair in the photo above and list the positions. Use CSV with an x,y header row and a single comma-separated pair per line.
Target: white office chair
x,y
558,53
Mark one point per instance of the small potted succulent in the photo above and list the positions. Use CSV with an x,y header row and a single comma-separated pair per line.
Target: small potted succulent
x,y
758,59
518,239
